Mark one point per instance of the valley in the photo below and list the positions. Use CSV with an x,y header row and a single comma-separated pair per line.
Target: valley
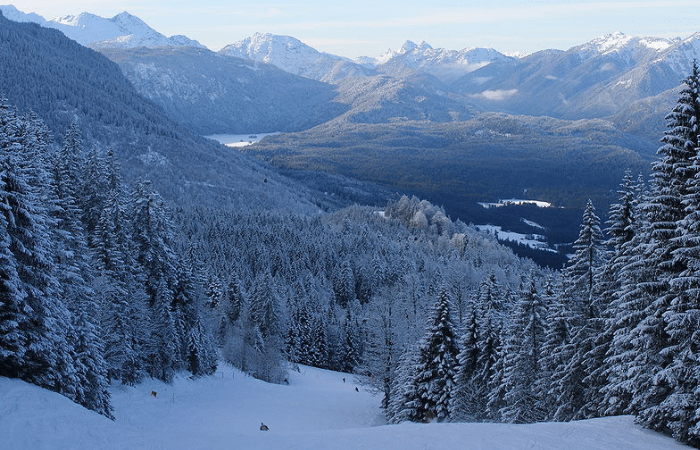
x,y
456,236
454,127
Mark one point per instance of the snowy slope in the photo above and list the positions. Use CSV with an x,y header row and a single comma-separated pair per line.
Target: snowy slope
x,y
446,65
121,31
293,56
624,44
317,410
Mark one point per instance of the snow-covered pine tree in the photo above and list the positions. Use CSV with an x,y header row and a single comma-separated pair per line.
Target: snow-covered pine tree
x,y
436,366
75,271
466,396
581,314
196,346
124,319
523,358
34,320
400,407
675,412
490,343
351,348
264,330
655,337
625,363
623,227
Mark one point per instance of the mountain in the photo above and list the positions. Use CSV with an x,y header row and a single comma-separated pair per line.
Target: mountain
x,y
295,57
596,79
212,94
63,82
121,31
446,65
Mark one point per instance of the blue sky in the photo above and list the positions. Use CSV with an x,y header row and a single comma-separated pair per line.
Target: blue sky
x,y
370,27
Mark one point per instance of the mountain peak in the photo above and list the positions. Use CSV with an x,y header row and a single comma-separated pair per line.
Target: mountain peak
x,y
10,12
408,46
620,42
123,30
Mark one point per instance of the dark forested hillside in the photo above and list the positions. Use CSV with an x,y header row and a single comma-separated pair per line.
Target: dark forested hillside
x,y
490,157
211,93
43,71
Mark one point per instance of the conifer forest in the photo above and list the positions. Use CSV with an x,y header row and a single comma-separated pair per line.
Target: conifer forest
x,y
105,281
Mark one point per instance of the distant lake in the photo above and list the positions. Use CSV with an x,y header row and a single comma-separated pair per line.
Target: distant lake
x,y
238,140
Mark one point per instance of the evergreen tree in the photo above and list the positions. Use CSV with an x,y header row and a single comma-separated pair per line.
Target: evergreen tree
x,y
437,360
523,359
676,379
124,319
153,236
74,262
33,316
655,338
570,387
486,378
466,399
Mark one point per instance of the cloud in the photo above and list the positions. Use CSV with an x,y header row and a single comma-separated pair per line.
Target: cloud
x,y
497,95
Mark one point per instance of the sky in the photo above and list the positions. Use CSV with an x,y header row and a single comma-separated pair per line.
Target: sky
x,y
371,27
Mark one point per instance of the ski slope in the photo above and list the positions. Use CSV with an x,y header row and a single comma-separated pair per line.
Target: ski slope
x,y
317,410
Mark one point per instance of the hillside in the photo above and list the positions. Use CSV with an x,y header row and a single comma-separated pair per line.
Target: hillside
x,y
317,410
483,159
212,94
64,82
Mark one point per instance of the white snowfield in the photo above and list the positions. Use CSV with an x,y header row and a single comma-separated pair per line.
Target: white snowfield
x,y
316,411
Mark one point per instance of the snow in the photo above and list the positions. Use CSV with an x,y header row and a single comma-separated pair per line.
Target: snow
x,y
123,30
536,241
239,140
516,202
317,410
532,224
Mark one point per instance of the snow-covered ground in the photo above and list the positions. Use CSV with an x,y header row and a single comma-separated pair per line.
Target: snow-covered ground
x,y
317,410
516,202
536,241
238,140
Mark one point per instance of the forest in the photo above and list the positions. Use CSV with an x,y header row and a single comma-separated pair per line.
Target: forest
x,y
107,282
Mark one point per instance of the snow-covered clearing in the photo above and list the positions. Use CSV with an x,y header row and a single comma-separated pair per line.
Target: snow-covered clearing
x,y
536,241
516,202
316,411
238,140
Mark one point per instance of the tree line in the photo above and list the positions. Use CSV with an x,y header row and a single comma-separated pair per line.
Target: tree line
x,y
93,287
615,333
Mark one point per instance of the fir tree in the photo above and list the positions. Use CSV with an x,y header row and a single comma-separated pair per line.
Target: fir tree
x,y
466,398
437,360
523,359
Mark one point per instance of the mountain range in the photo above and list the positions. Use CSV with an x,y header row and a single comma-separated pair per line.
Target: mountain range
x,y
455,126
122,31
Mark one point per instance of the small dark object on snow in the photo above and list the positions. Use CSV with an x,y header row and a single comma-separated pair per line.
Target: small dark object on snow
x,y
264,427
343,380
356,390
154,394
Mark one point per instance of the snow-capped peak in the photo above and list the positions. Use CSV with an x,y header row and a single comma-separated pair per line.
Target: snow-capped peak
x,y
12,13
123,30
408,46
611,42
619,42
293,56
445,64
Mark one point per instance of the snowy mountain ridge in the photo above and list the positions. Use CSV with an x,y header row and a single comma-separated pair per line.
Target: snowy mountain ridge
x,y
121,31
447,65
293,56
620,42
